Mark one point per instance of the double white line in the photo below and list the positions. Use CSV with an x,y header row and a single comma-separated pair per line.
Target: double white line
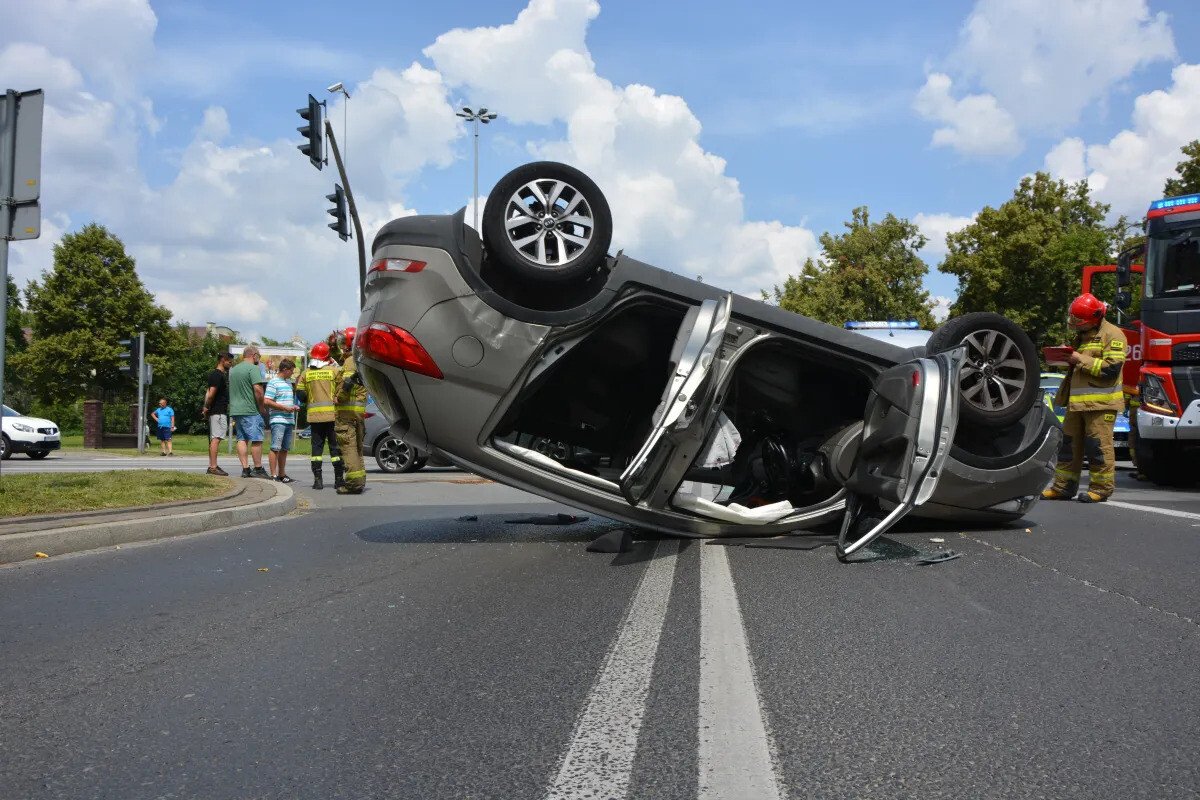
x,y
734,747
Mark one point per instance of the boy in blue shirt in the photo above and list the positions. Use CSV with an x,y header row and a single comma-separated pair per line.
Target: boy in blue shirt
x,y
280,401
164,418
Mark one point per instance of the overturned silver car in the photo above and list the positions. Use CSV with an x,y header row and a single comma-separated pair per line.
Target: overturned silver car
x,y
534,357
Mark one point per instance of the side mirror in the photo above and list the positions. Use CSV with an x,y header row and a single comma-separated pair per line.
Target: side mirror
x,y
1123,299
1122,280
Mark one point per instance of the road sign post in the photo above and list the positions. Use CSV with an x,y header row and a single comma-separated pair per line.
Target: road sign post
x,y
20,186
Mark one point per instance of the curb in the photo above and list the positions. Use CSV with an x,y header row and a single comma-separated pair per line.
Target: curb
x,y
60,541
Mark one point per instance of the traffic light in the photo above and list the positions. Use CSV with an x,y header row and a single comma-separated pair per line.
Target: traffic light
x,y
312,131
131,357
340,222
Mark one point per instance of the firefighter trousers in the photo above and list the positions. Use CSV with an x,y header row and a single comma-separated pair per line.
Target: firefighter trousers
x,y
350,440
1087,434
322,433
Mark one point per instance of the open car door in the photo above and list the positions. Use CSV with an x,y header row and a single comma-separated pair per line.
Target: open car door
x,y
911,418
684,400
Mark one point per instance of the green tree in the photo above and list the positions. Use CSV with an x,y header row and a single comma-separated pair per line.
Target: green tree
x,y
14,345
1023,259
185,380
1188,171
89,300
872,271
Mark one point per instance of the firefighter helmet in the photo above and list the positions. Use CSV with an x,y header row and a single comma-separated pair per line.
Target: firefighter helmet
x,y
350,333
1086,311
320,351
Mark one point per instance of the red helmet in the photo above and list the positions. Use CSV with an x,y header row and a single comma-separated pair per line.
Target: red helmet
x,y
320,351
1086,311
349,334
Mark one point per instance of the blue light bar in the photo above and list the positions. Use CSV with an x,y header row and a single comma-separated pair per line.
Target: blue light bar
x,y
1172,202
896,324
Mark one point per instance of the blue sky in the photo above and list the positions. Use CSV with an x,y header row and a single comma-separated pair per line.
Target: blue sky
x,y
727,140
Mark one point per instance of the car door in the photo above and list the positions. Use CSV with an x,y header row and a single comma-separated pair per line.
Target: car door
x,y
684,401
911,417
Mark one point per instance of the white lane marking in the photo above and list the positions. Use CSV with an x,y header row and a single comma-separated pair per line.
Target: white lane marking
x,y
1170,512
599,761
735,751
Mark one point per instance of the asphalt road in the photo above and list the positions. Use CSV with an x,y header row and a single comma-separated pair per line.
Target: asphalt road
x,y
389,646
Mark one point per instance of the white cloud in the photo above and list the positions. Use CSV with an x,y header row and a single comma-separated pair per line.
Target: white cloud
x,y
1046,62
941,307
1129,170
237,234
1033,66
935,228
974,125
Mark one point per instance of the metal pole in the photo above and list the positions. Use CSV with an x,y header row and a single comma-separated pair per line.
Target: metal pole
x,y
8,156
358,237
475,196
141,381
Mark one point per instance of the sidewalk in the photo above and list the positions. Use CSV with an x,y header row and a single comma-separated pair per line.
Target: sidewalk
x,y
55,534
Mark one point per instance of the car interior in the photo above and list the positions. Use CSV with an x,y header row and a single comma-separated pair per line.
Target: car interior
x,y
794,418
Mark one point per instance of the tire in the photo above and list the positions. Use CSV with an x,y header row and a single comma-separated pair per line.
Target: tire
x,y
38,455
999,381
394,455
5,447
1160,462
529,216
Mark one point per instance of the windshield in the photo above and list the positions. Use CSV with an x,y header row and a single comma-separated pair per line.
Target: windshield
x,y
8,412
1173,263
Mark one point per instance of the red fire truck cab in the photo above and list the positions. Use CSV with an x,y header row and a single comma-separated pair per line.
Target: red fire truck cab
x,y
1167,423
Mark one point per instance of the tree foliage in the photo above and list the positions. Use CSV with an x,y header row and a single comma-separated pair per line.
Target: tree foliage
x,y
872,271
1188,171
1024,259
90,299
185,380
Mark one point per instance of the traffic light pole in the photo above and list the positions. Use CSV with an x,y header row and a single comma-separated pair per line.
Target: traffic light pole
x,y
141,382
362,252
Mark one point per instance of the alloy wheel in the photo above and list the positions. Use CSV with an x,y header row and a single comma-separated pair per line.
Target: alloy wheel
x,y
994,374
549,222
394,455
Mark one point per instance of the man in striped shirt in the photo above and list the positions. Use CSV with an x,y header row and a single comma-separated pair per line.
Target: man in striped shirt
x,y
280,401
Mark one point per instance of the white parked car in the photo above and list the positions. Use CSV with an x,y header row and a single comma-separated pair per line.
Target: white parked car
x,y
33,436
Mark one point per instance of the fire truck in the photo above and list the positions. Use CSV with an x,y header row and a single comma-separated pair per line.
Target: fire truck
x,y
1165,341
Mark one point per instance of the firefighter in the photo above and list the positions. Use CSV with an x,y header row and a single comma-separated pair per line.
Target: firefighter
x,y
316,389
1093,398
351,402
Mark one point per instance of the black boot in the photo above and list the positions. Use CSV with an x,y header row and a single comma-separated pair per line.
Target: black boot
x,y
318,483
339,474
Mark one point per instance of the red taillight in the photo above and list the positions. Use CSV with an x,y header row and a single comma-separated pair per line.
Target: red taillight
x,y
916,379
396,346
368,414
395,265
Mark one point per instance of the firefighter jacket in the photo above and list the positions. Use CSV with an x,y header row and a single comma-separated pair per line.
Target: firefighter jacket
x,y
318,385
350,395
1095,383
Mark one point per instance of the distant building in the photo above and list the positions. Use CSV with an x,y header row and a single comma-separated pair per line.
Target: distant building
x,y
222,333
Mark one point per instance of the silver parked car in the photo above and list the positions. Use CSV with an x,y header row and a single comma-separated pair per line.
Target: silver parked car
x,y
673,405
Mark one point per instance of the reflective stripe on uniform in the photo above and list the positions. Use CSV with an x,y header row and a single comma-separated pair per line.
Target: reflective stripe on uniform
x,y
314,458
336,459
319,375
357,409
358,473
1090,394
315,409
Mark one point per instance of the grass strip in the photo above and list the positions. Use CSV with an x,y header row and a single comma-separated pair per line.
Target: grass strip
x,y
185,444
62,492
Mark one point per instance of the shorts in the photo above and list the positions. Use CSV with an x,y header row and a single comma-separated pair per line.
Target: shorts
x,y
164,433
218,426
281,436
249,427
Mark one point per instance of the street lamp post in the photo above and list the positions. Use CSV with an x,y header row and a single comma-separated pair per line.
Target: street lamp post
x,y
340,88
484,116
